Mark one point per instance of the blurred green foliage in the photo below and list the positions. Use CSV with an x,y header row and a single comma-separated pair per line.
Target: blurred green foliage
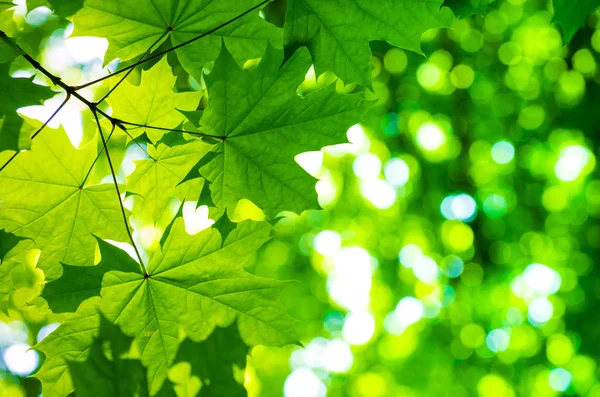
x,y
473,188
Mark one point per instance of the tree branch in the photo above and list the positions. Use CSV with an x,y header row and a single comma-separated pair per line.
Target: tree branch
x,y
72,91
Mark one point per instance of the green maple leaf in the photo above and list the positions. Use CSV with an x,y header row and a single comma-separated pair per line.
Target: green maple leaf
x,y
14,94
194,283
132,26
213,361
61,222
158,180
71,341
572,14
153,102
338,33
107,373
465,8
264,124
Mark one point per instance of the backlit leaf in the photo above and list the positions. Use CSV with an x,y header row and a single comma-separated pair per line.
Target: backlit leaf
x,y
44,197
263,124
338,33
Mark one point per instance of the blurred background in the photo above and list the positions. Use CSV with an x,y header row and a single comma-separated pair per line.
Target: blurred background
x,y
457,250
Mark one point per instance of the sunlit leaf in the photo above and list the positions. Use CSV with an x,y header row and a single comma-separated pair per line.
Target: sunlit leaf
x,y
194,283
338,33
132,26
45,197
264,124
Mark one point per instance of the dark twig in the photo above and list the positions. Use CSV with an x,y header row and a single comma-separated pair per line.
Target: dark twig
x,y
72,91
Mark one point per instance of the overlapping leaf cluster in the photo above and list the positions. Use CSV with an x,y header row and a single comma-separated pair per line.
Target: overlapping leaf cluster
x,y
193,290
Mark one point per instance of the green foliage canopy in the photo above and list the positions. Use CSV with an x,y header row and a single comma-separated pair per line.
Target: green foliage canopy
x,y
217,107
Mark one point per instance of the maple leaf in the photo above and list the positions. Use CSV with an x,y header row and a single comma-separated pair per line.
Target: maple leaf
x,y
61,222
213,361
338,33
71,341
106,373
264,124
132,26
153,102
194,283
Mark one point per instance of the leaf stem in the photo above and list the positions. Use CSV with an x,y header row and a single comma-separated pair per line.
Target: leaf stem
x,y
213,30
114,176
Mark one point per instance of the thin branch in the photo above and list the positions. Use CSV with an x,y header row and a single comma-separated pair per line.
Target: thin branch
x,y
52,116
170,129
39,129
72,91
213,30
114,176
131,70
